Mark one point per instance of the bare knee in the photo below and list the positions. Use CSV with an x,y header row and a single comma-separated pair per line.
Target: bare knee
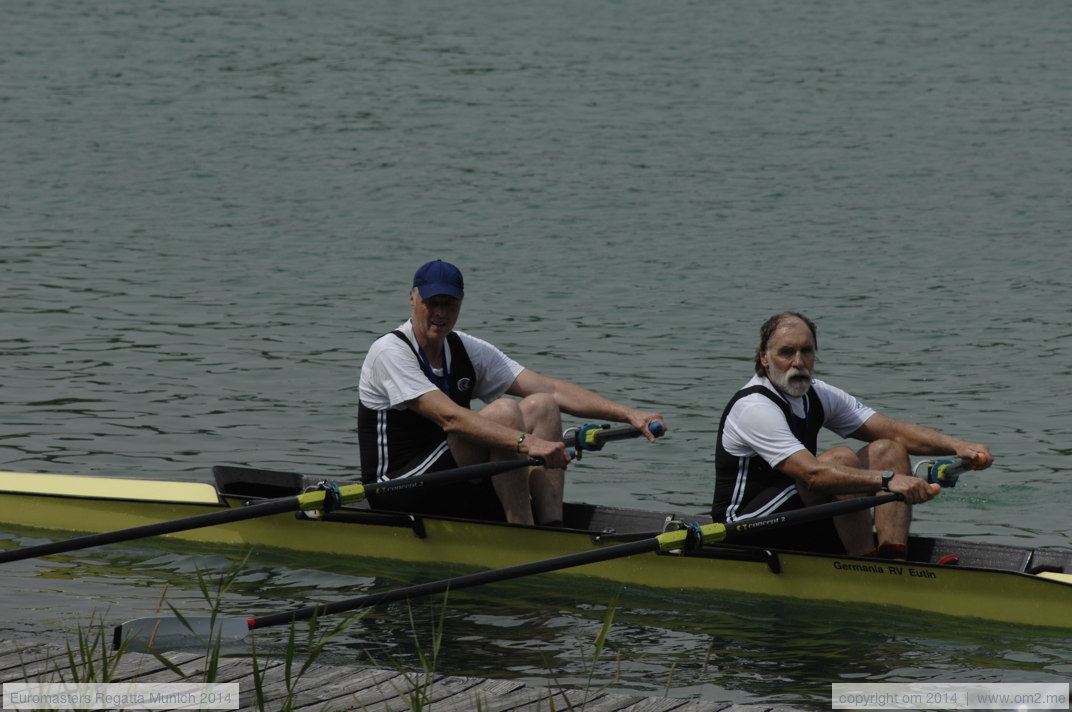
x,y
884,455
841,456
504,411
540,412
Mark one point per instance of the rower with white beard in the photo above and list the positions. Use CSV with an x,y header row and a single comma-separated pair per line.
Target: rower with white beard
x,y
767,458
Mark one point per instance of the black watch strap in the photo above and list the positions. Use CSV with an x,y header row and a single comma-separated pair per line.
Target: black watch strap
x,y
887,475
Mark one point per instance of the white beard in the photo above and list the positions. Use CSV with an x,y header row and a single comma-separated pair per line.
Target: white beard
x,y
794,383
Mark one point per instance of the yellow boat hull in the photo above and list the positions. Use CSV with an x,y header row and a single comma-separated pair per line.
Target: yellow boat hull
x,y
64,503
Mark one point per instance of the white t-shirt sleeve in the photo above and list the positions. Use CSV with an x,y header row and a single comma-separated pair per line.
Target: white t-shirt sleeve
x,y
391,375
757,426
844,413
495,371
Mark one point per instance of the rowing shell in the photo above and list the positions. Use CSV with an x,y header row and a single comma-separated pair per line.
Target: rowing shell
x,y
993,582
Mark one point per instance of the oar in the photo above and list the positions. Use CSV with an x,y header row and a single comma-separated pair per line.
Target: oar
x,y
945,472
167,633
593,437
330,497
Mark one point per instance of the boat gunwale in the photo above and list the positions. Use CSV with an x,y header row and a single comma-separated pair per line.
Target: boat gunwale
x,y
596,536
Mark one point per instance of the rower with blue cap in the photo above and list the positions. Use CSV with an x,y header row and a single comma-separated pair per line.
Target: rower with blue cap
x,y
414,413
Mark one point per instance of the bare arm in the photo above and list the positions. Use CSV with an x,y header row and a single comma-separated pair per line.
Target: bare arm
x,y
921,440
828,476
453,418
583,403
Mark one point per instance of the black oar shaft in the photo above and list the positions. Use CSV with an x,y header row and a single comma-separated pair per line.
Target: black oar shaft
x,y
741,529
678,539
433,479
224,516
711,533
308,500
467,581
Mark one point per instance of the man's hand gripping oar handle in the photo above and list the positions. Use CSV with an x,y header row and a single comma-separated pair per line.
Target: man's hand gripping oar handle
x,y
592,437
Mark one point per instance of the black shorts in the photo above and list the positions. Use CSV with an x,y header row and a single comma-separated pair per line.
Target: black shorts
x,y
819,536
475,499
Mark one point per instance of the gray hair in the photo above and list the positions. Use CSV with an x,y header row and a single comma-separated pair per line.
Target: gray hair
x,y
767,330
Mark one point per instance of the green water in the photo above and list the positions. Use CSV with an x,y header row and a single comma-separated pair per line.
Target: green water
x,y
207,213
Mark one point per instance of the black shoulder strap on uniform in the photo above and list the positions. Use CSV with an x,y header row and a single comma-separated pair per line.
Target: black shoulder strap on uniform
x,y
811,426
407,342
780,402
420,361
747,392
462,375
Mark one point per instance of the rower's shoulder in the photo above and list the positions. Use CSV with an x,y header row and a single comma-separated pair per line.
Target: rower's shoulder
x,y
757,390
400,338
474,345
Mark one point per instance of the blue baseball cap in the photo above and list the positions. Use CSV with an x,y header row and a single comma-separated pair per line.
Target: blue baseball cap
x,y
439,277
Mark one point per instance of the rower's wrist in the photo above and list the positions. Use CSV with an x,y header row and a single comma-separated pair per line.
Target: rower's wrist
x,y
521,446
885,477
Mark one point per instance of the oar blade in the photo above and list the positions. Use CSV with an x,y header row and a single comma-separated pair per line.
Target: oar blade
x,y
160,634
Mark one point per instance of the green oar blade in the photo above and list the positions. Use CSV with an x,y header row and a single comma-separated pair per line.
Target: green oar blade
x,y
161,634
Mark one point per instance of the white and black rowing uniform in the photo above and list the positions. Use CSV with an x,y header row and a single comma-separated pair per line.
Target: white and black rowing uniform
x,y
397,442
760,428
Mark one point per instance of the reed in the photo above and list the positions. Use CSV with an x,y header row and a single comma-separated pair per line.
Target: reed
x,y
90,658
592,689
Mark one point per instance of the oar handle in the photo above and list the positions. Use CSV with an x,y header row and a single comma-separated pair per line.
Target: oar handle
x,y
945,472
592,437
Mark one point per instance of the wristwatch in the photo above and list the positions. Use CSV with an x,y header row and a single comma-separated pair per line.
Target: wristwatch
x,y
887,475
